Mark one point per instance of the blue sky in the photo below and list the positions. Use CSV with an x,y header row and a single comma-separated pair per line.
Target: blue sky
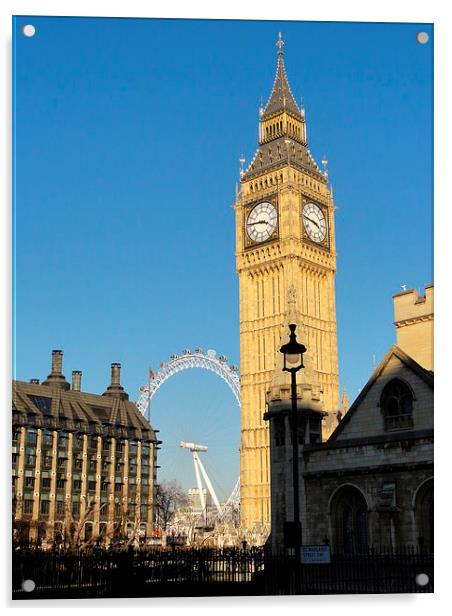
x,y
128,134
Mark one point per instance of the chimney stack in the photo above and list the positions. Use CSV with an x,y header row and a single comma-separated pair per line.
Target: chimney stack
x,y
57,362
76,380
56,378
116,390
116,374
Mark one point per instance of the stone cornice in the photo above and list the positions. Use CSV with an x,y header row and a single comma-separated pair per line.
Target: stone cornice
x,y
371,470
413,320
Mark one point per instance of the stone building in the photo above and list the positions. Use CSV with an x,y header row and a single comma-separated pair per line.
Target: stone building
x,y
371,483
84,465
413,320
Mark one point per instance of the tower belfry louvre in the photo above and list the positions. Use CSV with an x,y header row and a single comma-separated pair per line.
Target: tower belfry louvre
x,y
285,253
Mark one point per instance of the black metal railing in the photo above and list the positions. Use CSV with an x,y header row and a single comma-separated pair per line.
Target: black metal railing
x,y
185,572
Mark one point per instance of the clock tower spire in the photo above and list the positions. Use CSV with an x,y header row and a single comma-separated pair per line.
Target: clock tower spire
x,y
285,246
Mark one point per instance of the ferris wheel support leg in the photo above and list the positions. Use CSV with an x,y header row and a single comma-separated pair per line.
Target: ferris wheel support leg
x,y
196,461
209,486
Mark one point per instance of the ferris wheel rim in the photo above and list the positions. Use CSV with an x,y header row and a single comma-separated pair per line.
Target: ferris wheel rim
x,y
198,359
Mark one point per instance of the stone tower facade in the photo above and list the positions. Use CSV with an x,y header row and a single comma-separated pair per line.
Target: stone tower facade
x,y
285,246
413,320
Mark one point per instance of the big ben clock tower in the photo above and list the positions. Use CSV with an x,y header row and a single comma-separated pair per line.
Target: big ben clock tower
x,y
285,249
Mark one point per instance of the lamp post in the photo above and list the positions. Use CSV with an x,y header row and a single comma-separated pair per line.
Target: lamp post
x,y
293,362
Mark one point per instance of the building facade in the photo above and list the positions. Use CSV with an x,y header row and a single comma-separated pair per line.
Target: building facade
x,y
413,320
285,247
371,483
84,465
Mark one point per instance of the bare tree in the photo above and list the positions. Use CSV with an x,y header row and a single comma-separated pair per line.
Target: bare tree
x,y
126,529
170,496
73,526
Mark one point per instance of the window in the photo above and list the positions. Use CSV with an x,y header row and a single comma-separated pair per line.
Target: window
x,y
300,432
45,506
75,508
60,483
350,521
32,437
77,484
29,482
279,431
47,438
91,485
46,482
78,442
423,511
397,405
44,404
28,506
47,460
78,463
59,507
30,460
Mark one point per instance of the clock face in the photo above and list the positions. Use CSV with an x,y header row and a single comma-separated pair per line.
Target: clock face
x,y
314,222
261,222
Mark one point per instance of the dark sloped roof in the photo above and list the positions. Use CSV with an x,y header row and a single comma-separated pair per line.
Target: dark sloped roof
x,y
76,410
277,153
281,97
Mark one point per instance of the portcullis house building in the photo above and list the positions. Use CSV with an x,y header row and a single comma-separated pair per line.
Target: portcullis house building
x,y
83,465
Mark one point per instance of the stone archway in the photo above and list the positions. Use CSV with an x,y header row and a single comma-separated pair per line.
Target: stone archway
x,y
350,521
423,515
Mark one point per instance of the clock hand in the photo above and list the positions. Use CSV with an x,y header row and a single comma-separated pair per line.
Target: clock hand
x,y
310,220
258,222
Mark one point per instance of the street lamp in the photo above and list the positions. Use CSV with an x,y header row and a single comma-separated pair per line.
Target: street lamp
x,y
293,362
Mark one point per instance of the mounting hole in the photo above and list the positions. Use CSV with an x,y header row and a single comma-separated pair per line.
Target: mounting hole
x,y
422,579
28,585
422,37
28,30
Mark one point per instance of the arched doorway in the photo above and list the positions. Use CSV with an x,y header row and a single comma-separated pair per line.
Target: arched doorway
x,y
350,525
423,513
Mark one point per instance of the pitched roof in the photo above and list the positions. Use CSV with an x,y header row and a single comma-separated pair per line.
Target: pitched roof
x,y
281,97
76,410
277,153
284,149
394,351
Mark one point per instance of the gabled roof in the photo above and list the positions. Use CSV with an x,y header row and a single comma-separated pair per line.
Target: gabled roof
x,y
281,97
394,351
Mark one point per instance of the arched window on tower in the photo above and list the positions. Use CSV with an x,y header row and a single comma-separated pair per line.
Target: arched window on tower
x,y
350,523
396,404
